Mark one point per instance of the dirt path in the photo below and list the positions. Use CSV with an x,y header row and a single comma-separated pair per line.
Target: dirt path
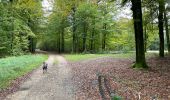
x,y
56,84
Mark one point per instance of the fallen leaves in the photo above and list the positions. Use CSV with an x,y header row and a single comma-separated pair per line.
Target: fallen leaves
x,y
129,83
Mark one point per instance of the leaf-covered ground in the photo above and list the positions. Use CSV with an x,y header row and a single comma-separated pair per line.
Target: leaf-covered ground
x,y
129,83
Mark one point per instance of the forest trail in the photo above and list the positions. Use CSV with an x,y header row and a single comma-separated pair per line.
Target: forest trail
x,y
56,84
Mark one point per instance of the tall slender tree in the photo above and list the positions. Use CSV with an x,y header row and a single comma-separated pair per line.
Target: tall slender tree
x,y
74,43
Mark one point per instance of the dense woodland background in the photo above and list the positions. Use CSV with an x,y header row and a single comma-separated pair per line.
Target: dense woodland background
x,y
84,26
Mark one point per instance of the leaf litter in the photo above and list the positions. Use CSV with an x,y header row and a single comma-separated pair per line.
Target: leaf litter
x,y
130,84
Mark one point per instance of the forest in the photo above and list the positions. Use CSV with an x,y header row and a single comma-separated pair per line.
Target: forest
x,y
84,27
134,29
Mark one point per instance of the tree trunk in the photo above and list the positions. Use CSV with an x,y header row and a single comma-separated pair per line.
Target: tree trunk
x,y
92,36
92,41
78,45
104,37
145,38
12,41
74,31
31,45
138,28
84,37
62,40
59,44
161,29
167,31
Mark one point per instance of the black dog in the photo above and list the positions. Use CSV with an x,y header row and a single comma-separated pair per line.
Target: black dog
x,y
44,67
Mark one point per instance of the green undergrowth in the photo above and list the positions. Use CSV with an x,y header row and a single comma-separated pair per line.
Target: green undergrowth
x,y
116,98
14,67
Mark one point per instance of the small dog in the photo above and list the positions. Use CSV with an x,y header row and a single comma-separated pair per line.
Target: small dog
x,y
45,65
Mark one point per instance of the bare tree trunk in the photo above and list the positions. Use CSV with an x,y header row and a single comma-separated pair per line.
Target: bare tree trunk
x,y
59,43
31,45
104,37
12,41
62,40
145,38
74,47
161,29
92,41
167,31
84,37
92,37
78,45
138,27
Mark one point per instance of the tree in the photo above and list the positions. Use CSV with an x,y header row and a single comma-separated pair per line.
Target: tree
x,y
161,27
18,25
167,29
85,15
138,28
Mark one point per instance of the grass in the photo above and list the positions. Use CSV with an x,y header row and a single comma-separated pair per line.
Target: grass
x,y
14,67
79,57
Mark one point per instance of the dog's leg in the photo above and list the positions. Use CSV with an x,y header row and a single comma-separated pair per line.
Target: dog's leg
x,y
43,71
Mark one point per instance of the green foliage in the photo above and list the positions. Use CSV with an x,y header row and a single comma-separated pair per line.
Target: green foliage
x,y
87,22
13,67
122,38
18,23
92,25
116,98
